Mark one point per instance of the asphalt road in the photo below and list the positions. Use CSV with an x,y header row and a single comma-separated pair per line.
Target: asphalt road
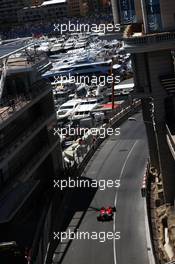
x,y
119,157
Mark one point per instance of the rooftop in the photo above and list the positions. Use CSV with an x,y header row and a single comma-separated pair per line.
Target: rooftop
x,y
13,47
24,63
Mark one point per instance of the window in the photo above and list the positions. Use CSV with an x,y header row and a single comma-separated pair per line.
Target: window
x,y
67,107
153,15
127,9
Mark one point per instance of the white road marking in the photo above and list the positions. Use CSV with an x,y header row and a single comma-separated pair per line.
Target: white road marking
x,y
115,202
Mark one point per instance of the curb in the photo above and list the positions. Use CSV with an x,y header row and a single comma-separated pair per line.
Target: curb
x,y
148,237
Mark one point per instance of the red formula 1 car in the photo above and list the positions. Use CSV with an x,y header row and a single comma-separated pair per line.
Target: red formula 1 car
x,y
106,214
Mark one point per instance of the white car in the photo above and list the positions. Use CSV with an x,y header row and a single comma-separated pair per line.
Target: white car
x,y
132,119
67,109
85,108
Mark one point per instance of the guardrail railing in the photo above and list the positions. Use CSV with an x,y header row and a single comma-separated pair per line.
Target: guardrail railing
x,y
79,151
149,38
11,106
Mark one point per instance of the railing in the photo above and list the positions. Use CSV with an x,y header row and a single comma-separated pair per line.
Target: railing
x,y
11,106
146,39
82,148
37,60
22,173
35,160
11,147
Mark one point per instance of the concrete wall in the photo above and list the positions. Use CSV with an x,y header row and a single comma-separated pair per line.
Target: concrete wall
x,y
140,72
149,67
160,63
115,11
138,10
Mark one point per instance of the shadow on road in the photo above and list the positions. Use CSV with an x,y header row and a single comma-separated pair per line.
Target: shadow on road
x,y
76,203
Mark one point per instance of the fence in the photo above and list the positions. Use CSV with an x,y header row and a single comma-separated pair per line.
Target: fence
x,y
80,151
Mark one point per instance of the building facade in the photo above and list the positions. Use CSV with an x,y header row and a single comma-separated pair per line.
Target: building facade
x,y
9,10
123,11
48,11
127,11
151,42
30,158
78,7
153,65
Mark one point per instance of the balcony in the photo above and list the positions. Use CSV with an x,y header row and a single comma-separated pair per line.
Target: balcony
x,y
168,83
10,107
170,140
135,41
24,64
13,198
37,161
23,174
6,153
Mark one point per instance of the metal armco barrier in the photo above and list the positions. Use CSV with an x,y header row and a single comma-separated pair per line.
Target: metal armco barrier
x,y
81,149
